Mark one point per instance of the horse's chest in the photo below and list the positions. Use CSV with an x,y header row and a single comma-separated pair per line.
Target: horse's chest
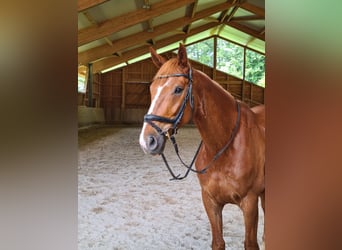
x,y
222,188
233,174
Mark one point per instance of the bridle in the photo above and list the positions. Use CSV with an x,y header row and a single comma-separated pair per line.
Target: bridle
x,y
150,119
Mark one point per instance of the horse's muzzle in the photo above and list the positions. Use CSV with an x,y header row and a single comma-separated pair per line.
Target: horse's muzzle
x,y
153,143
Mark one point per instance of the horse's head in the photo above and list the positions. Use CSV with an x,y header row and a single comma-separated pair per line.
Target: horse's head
x,y
171,101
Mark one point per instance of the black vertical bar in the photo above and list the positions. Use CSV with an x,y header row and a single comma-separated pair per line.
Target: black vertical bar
x,y
243,74
90,85
215,58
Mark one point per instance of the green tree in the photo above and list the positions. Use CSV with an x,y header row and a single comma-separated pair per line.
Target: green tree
x,y
255,68
202,52
230,58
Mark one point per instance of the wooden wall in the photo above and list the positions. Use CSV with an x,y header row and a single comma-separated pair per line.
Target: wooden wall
x,y
83,98
124,93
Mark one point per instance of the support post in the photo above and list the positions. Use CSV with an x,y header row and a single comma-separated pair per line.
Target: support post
x,y
243,74
123,94
90,85
215,58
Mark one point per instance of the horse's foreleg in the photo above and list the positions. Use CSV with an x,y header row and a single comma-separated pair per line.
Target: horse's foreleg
x,y
214,212
249,206
262,196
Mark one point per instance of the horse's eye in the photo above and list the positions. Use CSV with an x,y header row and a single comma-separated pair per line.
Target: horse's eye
x,y
178,90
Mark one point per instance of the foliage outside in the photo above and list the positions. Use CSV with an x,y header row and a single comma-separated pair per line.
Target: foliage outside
x,y
255,68
230,58
202,52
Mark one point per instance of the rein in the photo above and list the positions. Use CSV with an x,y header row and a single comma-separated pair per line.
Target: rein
x,y
149,118
216,156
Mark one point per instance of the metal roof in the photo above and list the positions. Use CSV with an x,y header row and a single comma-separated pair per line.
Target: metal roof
x,y
114,32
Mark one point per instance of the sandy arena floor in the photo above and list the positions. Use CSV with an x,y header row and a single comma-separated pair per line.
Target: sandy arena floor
x,y
126,201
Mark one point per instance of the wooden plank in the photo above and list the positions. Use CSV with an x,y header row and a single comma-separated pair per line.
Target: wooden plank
x,y
123,94
247,30
116,24
109,62
86,4
246,18
244,74
232,13
254,9
95,24
190,12
141,37
230,82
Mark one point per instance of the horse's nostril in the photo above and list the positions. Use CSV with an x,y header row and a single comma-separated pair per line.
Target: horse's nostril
x,y
152,142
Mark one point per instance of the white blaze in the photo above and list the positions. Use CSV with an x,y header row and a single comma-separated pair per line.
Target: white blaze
x,y
150,111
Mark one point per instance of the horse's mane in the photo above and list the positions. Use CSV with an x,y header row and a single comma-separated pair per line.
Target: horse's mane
x,y
212,82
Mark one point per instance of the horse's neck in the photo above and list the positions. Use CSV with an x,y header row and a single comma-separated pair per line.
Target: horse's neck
x,y
215,111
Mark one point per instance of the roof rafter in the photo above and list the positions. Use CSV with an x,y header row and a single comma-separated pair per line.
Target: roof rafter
x,y
247,30
254,9
93,22
190,13
112,61
86,4
246,18
116,24
105,51
228,17
225,12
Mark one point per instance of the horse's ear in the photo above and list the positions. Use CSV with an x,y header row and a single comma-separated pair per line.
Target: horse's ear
x,y
182,56
157,59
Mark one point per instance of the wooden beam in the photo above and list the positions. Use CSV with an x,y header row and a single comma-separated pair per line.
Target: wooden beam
x,y
192,9
90,18
254,9
223,15
261,32
116,24
247,30
247,18
227,18
190,13
112,61
177,32
243,75
211,19
93,22
126,42
225,12
108,41
231,14
86,4
250,40
215,57
150,25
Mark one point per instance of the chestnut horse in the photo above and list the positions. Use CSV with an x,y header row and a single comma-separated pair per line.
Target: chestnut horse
x,y
230,163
